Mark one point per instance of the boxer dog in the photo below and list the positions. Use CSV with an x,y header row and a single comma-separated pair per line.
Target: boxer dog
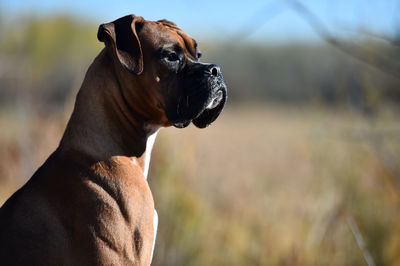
x,y
90,203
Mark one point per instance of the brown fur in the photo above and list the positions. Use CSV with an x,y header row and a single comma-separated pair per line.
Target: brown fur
x,y
89,204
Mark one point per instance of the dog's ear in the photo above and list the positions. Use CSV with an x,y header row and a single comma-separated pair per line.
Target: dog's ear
x,y
121,35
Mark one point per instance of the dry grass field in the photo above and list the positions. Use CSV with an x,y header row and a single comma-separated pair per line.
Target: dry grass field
x,y
264,185
272,185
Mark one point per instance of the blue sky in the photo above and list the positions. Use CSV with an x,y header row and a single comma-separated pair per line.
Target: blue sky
x,y
226,18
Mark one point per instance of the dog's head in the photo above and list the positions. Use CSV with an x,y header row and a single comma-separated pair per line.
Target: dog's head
x,y
164,63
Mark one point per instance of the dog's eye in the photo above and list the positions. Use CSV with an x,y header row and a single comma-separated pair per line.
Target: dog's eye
x,y
171,57
199,55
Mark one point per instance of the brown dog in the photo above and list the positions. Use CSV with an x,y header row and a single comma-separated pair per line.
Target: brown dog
x,y
90,203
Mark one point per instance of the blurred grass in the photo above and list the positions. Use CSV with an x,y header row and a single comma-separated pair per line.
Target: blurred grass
x,y
272,185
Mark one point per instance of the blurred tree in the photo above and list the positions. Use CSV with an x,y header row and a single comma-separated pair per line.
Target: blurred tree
x,y
50,52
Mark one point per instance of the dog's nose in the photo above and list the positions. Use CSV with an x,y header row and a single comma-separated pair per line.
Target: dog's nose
x,y
214,70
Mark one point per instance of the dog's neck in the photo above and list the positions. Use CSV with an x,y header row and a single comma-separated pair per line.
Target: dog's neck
x,y
102,125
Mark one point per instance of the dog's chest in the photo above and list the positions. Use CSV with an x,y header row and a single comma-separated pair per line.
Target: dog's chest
x,y
149,147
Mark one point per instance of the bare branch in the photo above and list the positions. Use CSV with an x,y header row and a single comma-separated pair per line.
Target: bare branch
x,y
360,240
381,36
259,18
385,65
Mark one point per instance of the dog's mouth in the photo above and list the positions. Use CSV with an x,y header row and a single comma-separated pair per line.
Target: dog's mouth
x,y
210,112
215,100
181,124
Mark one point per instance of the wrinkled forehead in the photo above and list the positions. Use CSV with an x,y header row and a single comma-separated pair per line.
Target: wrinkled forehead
x,y
163,33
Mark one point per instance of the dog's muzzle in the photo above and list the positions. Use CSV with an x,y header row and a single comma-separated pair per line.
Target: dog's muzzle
x,y
217,99
202,98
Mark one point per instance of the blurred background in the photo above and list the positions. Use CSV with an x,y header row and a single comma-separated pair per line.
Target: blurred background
x,y
301,168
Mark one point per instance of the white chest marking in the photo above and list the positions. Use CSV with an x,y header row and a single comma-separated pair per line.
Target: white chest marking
x,y
155,226
149,147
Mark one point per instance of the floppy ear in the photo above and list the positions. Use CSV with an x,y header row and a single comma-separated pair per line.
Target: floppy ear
x,y
122,38
209,115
